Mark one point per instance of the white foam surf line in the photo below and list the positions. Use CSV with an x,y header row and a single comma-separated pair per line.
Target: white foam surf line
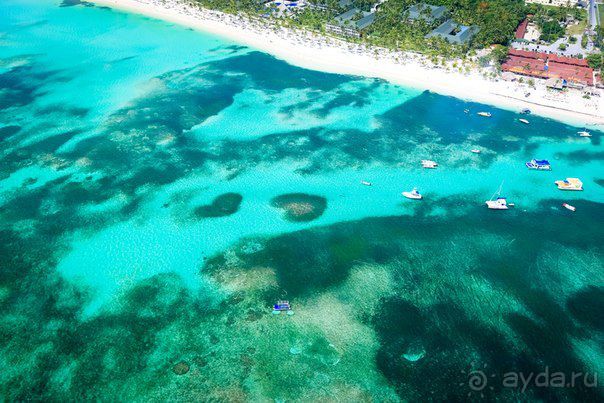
x,y
571,108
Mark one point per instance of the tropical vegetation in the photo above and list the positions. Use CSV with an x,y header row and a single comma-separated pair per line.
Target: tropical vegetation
x,y
495,19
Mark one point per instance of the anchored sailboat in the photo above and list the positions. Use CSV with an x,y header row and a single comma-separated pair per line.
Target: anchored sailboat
x,y
496,202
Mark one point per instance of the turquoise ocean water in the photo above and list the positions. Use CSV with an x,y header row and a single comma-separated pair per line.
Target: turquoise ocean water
x,y
143,240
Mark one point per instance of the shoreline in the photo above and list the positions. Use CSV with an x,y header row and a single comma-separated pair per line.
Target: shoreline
x,y
307,50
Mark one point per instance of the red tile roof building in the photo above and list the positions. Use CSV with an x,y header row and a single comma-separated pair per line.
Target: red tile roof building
x,y
599,81
521,30
543,65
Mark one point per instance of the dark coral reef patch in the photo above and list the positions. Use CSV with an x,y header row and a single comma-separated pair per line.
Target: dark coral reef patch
x,y
222,206
300,207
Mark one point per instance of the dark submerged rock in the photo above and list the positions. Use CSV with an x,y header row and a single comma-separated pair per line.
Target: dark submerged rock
x,y
180,368
222,206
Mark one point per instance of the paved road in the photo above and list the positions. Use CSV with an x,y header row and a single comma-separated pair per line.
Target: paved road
x,y
572,49
593,14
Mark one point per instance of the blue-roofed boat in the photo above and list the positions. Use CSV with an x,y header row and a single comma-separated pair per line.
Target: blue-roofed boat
x,y
525,111
281,306
540,165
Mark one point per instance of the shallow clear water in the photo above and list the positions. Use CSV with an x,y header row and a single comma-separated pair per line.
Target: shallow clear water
x,y
143,239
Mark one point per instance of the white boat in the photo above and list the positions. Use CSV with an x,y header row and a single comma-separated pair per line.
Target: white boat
x,y
429,164
526,122
497,203
584,133
365,183
475,151
414,194
569,207
485,114
569,184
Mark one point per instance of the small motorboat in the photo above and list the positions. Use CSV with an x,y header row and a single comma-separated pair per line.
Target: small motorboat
x,y
569,207
414,194
466,111
526,122
569,184
429,164
498,203
525,111
475,151
365,183
485,114
584,133
540,165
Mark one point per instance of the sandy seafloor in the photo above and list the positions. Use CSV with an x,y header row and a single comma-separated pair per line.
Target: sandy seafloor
x,y
161,188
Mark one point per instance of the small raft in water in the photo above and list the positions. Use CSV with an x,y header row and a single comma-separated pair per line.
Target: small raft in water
x,y
569,207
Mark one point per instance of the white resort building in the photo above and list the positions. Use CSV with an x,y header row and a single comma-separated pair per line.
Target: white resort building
x,y
557,3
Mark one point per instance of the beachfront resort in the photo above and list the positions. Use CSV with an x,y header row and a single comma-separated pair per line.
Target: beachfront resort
x,y
556,41
542,55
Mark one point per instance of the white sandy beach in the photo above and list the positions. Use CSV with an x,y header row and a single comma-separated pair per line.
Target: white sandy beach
x,y
305,49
